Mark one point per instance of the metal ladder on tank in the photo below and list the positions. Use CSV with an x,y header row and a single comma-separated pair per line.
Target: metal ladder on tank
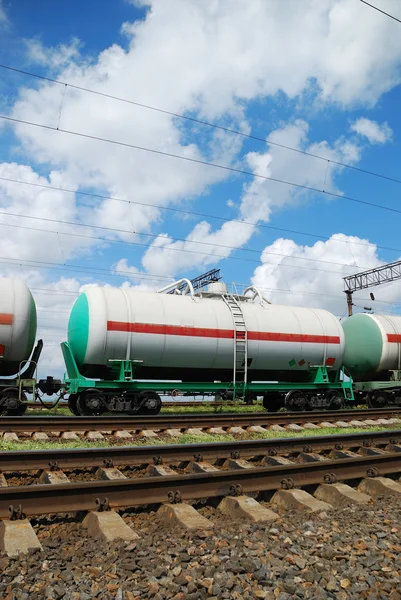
x,y
240,370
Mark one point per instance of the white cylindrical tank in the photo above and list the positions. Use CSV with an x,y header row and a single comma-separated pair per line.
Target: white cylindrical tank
x,y
17,324
373,345
192,338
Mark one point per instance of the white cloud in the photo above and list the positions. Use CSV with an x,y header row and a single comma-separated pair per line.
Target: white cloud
x,y
30,239
56,57
300,279
140,3
259,198
373,131
212,69
291,44
138,279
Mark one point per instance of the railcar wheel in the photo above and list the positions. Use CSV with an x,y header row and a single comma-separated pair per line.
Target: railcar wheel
x,y
89,403
377,400
72,404
336,401
296,400
17,412
152,405
16,406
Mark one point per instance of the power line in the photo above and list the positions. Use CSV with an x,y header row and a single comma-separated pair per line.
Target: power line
x,y
119,273
381,11
279,291
257,251
187,212
201,122
51,291
78,269
111,273
45,291
200,162
304,293
315,260
260,251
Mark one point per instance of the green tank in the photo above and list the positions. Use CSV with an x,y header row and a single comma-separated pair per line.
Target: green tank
x,y
372,346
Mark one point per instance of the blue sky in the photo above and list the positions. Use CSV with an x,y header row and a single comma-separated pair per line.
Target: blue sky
x,y
96,23
322,78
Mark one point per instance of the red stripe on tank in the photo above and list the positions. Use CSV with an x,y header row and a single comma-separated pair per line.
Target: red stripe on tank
x,y
394,338
169,329
264,336
2,349
267,336
6,319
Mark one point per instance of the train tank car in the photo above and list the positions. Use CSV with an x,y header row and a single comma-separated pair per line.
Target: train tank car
x,y
192,338
206,337
373,357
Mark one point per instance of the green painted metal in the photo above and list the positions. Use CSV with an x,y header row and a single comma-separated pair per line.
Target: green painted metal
x,y
320,379
369,386
78,328
363,346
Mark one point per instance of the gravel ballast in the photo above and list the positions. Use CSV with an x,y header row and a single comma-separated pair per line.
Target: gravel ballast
x,y
349,553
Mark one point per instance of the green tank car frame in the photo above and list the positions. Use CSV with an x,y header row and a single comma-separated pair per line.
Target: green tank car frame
x,y
123,393
380,393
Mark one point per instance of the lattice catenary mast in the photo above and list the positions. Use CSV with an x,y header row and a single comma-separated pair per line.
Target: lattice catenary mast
x,y
367,279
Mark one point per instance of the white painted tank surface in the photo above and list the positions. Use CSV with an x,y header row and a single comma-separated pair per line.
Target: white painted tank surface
x,y
190,337
17,324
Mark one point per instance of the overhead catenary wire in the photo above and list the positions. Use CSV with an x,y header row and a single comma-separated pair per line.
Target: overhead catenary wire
x,y
52,291
381,11
163,248
200,162
263,289
183,211
147,276
118,272
199,121
43,291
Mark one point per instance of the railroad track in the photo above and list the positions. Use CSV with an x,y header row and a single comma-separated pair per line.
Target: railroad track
x,y
217,422
193,472
88,458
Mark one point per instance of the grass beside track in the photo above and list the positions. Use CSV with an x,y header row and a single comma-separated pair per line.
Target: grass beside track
x,y
184,439
239,407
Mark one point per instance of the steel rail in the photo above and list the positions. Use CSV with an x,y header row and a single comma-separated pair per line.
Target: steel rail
x,y
86,458
185,420
82,496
